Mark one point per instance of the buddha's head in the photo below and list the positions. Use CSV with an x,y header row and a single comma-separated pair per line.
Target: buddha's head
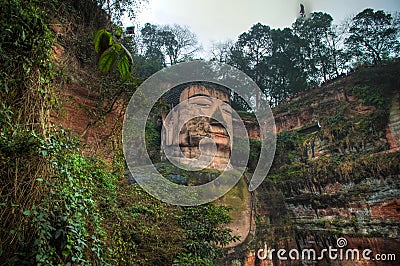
x,y
208,115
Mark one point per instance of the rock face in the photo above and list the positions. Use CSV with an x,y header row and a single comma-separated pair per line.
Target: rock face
x,y
335,176
97,127
393,129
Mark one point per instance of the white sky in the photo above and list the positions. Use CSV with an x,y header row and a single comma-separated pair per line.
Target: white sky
x,y
219,20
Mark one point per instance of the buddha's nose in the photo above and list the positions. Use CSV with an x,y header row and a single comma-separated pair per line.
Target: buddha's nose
x,y
218,117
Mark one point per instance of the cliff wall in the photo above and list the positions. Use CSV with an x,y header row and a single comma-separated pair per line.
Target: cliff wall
x,y
335,174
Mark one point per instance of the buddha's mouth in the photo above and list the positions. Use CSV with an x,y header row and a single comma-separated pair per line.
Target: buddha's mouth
x,y
217,129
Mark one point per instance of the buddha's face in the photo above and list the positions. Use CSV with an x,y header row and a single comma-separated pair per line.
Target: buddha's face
x,y
209,116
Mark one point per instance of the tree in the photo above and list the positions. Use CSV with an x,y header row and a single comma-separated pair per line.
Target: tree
x,y
117,8
180,43
207,234
250,54
220,51
153,44
316,35
286,74
168,45
373,36
340,57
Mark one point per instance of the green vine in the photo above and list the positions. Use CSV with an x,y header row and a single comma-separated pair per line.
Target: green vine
x,y
68,220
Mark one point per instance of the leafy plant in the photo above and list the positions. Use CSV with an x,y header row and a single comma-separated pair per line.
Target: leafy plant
x,y
255,149
112,51
153,141
25,98
207,234
68,221
369,95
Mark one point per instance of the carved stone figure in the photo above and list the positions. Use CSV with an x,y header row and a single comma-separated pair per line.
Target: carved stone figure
x,y
208,100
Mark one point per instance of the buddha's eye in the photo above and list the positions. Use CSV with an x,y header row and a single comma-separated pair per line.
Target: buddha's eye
x,y
227,111
201,101
202,104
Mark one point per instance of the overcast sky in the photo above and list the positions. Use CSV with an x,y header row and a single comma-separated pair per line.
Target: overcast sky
x,y
219,20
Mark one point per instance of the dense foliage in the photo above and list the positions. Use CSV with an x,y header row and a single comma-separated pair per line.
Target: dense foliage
x,y
59,206
25,95
283,62
286,62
